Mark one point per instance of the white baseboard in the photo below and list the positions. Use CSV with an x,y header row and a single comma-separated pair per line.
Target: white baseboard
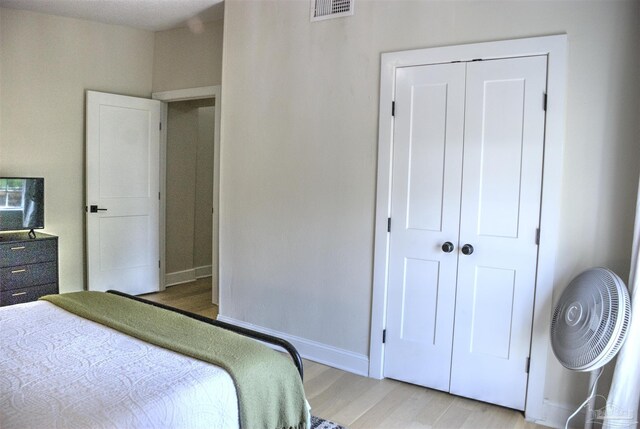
x,y
313,350
178,277
186,276
556,415
204,271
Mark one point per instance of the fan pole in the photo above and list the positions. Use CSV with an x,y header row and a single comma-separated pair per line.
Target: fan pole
x,y
589,414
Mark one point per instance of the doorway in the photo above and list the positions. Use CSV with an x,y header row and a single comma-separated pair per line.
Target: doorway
x,y
189,176
189,190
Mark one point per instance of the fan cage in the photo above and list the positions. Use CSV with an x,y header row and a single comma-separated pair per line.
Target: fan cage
x,y
589,342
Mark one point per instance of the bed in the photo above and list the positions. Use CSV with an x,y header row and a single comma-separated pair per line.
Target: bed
x,y
107,360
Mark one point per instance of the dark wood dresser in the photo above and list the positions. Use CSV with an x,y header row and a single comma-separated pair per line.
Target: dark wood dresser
x,y
28,267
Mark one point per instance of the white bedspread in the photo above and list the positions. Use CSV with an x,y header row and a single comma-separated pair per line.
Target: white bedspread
x,y
58,370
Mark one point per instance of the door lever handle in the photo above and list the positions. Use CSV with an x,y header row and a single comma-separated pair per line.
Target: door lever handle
x,y
96,209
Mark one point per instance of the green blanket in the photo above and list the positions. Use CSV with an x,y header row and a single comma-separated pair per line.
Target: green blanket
x,y
270,392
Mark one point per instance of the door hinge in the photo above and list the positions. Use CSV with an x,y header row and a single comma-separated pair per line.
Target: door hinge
x,y
544,102
160,126
537,236
393,108
384,336
388,224
527,365
158,196
158,263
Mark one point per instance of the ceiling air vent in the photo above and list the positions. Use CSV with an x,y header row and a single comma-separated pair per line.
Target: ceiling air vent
x,y
325,9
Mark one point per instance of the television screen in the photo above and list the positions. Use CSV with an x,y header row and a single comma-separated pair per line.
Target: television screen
x,y
21,203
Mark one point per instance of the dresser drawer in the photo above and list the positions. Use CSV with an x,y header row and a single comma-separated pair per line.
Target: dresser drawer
x,y
27,252
19,296
22,276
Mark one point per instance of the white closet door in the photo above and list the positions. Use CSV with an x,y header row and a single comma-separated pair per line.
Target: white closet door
x,y
503,148
425,208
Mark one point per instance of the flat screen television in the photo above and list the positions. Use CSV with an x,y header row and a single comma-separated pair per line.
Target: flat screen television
x,y
21,204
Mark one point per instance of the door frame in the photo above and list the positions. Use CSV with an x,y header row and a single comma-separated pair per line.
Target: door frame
x,y
182,95
554,47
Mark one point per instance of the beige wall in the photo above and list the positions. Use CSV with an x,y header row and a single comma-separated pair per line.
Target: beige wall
x,y
184,59
189,185
204,187
299,144
182,140
47,64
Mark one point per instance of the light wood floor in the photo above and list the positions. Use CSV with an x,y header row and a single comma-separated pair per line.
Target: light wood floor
x,y
194,297
364,403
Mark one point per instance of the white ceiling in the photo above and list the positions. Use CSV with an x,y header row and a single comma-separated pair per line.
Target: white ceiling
x,y
153,15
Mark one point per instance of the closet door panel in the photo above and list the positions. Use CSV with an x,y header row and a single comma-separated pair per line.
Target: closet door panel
x,y
425,209
500,210
501,152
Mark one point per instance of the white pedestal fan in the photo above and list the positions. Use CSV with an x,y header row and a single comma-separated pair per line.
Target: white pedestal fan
x,y
589,326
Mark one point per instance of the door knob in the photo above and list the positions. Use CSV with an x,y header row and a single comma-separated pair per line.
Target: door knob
x,y
447,247
467,249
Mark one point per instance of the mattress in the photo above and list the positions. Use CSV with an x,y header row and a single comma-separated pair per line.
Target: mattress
x,y
58,370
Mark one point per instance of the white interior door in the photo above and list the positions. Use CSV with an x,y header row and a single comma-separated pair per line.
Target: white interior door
x,y
500,215
467,169
425,210
122,193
